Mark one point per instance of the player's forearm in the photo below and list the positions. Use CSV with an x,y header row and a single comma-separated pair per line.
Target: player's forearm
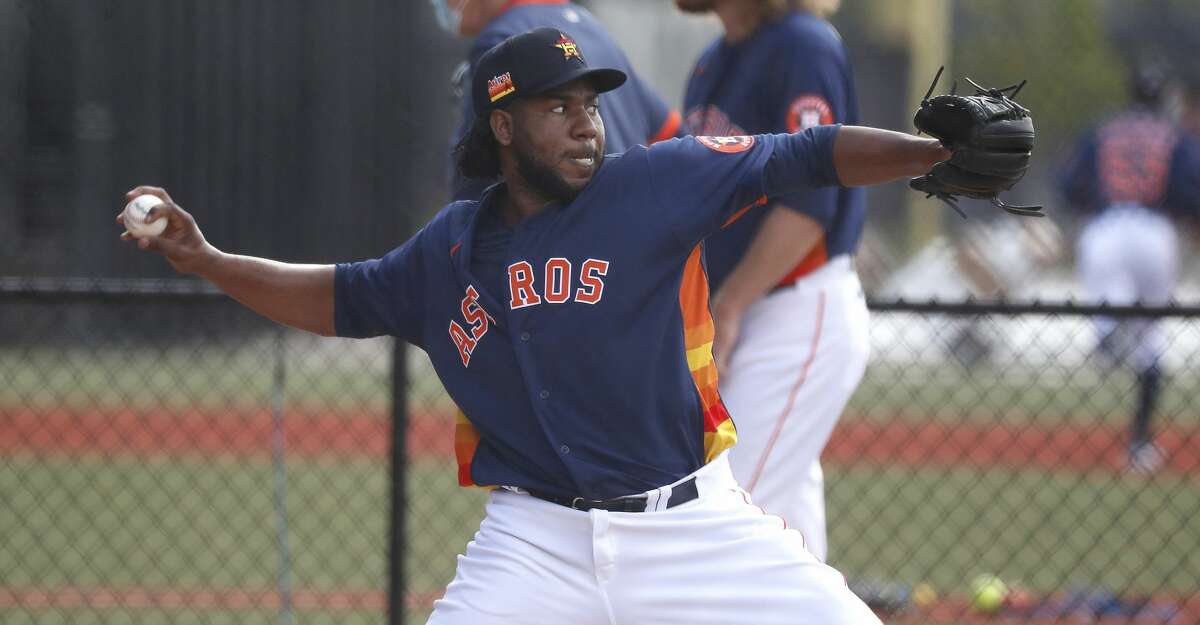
x,y
865,156
300,296
784,238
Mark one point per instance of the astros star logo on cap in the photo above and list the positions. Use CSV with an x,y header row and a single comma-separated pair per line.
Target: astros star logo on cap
x,y
569,48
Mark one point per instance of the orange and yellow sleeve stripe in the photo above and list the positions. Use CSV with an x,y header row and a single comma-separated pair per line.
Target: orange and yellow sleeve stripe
x,y
698,332
466,441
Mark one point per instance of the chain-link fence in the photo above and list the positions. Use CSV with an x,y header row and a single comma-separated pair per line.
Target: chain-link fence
x,y
993,442
168,457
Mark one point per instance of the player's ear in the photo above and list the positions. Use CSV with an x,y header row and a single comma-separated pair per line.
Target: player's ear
x,y
502,127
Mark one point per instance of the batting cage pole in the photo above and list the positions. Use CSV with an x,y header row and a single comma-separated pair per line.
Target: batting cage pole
x,y
412,60
278,448
399,460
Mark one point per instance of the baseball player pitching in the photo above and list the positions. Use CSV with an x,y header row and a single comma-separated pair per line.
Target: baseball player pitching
x,y
1131,177
566,313
792,335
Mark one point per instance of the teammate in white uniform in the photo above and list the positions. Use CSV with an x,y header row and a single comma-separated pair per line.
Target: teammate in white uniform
x,y
792,335
1132,176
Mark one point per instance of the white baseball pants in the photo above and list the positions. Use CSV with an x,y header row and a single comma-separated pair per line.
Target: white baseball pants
x,y
716,560
801,353
1130,254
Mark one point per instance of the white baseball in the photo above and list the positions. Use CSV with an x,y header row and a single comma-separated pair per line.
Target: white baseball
x,y
135,217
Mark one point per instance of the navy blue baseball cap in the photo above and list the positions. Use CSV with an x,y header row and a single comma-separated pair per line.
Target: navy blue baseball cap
x,y
533,63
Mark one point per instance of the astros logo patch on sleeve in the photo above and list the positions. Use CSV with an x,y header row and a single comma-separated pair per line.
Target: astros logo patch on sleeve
x,y
807,111
727,145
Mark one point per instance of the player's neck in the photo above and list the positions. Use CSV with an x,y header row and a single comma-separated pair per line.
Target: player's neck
x,y
520,201
739,19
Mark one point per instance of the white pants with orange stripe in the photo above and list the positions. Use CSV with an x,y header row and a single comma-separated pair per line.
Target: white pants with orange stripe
x,y
801,352
714,560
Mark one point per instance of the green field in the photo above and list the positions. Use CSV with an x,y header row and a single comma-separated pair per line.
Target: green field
x,y
197,377
194,523
1014,395
1047,531
210,524
151,616
354,377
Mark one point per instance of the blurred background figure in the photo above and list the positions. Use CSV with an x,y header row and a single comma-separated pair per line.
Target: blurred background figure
x,y
634,114
994,255
791,337
1132,177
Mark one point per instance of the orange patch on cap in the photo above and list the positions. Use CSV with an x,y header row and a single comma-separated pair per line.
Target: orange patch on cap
x,y
501,86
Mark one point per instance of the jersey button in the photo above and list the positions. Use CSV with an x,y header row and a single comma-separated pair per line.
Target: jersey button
x,y
565,450
525,336
544,394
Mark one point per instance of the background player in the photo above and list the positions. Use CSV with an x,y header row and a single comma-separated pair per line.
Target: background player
x,y
583,354
995,256
1131,177
633,115
792,336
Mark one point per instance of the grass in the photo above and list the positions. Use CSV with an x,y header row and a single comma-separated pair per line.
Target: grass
x,y
199,524
333,374
210,524
1048,531
185,524
202,523
181,617
1014,395
354,377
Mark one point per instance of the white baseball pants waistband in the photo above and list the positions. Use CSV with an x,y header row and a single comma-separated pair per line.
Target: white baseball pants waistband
x,y
713,477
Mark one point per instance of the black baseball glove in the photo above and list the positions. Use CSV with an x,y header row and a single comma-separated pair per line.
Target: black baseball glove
x,y
991,138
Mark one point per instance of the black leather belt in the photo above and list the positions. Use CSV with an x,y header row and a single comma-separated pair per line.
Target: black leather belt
x,y
680,494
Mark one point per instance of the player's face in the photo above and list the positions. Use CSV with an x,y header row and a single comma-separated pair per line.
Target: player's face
x,y
695,6
558,140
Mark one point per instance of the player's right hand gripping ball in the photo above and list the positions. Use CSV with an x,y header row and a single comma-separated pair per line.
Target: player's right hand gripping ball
x,y
991,138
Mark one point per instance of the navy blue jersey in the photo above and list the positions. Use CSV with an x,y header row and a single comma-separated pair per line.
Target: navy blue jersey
x,y
633,115
1134,158
790,75
591,374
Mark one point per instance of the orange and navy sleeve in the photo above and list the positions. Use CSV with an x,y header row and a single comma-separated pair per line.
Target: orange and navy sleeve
x,y
382,296
703,183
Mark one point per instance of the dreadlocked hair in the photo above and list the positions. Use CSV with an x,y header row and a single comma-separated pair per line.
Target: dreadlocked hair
x,y
477,155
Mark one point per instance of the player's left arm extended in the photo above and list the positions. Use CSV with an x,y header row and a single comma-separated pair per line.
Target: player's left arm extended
x,y
865,156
